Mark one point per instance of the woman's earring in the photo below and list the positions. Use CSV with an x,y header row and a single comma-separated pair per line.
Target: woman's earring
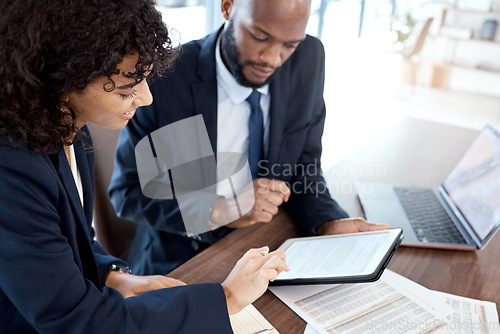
x,y
64,109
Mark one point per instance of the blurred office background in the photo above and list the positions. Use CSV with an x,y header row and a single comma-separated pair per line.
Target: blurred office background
x,y
387,60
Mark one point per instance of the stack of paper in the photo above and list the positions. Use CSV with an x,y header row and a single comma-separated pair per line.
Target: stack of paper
x,y
393,304
251,321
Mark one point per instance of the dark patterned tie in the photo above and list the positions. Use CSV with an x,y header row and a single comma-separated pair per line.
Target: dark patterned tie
x,y
256,133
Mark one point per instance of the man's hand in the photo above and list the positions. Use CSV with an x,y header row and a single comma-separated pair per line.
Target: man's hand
x,y
349,225
269,195
132,285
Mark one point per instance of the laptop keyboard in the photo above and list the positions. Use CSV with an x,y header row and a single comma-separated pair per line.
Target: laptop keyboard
x,y
427,216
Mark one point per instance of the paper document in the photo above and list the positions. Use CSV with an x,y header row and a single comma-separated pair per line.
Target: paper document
x,y
375,307
466,315
310,330
251,321
393,304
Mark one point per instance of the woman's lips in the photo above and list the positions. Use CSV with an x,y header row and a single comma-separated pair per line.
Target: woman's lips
x,y
128,115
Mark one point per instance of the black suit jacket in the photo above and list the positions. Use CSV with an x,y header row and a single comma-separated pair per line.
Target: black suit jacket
x,y
50,262
297,115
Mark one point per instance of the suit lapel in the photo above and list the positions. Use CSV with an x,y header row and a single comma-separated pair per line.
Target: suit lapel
x,y
279,96
82,218
205,97
86,168
68,182
205,91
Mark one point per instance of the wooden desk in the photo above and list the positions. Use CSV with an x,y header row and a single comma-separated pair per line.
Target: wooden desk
x,y
412,152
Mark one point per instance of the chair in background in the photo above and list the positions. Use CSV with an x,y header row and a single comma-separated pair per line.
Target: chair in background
x,y
418,43
410,65
115,234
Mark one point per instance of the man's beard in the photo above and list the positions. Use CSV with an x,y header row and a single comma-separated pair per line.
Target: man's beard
x,y
228,46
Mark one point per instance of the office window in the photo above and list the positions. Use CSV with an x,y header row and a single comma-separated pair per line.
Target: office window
x,y
190,19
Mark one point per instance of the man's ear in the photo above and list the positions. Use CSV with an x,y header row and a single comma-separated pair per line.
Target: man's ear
x,y
226,8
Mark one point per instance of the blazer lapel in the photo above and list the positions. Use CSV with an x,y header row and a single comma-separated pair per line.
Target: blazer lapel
x,y
205,91
86,167
82,218
279,89
68,182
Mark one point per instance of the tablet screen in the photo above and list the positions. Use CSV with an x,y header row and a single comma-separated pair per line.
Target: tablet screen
x,y
345,255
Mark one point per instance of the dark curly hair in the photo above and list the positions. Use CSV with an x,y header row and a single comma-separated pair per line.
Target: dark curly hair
x,y
53,47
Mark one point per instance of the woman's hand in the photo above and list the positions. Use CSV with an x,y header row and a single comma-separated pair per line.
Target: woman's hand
x,y
250,277
132,285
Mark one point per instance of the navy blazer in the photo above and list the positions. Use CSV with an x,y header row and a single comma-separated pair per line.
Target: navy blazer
x,y
50,262
297,115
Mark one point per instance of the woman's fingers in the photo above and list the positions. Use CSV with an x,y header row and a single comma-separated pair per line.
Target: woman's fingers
x,y
272,264
250,277
265,260
272,268
256,252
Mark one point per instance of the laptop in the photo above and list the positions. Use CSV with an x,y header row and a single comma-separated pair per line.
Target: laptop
x,y
463,213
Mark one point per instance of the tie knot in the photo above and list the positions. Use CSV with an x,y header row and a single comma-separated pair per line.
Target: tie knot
x,y
254,99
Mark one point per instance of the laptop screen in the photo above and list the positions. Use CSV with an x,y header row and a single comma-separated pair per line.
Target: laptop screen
x,y
474,184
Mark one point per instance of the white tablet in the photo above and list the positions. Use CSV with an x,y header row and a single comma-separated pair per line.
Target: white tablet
x,y
341,258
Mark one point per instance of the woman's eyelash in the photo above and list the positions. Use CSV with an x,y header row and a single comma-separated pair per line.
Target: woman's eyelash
x,y
129,96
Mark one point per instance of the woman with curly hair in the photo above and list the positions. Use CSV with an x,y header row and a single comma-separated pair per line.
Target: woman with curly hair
x,y
63,64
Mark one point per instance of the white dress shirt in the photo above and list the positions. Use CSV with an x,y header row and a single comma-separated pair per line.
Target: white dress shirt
x,y
76,173
233,112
